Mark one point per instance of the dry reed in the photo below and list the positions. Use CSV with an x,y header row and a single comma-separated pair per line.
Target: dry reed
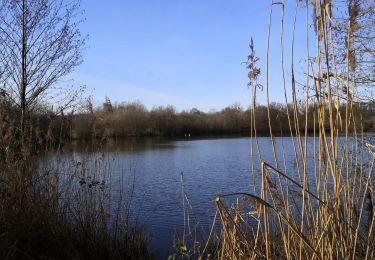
x,y
323,208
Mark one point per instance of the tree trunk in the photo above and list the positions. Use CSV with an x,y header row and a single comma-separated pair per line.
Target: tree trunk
x,y
24,76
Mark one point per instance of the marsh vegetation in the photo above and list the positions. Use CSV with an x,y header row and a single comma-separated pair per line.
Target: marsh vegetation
x,y
309,185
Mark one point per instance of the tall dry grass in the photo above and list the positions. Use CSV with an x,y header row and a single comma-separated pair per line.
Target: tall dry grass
x,y
55,206
70,209
322,208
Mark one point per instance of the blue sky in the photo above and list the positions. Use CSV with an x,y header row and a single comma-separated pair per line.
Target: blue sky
x,y
185,53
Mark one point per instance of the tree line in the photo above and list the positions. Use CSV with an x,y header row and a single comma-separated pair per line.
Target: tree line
x,y
134,119
49,129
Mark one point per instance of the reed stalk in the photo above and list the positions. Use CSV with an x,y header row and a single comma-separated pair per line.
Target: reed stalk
x,y
322,209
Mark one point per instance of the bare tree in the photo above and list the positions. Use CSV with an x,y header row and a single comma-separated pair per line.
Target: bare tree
x,y
354,38
40,43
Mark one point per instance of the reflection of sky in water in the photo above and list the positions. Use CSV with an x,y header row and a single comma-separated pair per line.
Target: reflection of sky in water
x,y
209,167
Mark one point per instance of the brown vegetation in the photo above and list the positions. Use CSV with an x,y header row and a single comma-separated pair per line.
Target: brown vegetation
x,y
323,207
64,210
61,211
133,119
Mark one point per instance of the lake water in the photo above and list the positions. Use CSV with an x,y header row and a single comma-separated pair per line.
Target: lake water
x,y
209,167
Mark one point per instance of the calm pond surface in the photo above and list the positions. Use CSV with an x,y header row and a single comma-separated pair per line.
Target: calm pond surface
x,y
209,167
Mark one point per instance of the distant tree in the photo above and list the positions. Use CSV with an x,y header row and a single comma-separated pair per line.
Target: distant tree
x,y
39,44
107,106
